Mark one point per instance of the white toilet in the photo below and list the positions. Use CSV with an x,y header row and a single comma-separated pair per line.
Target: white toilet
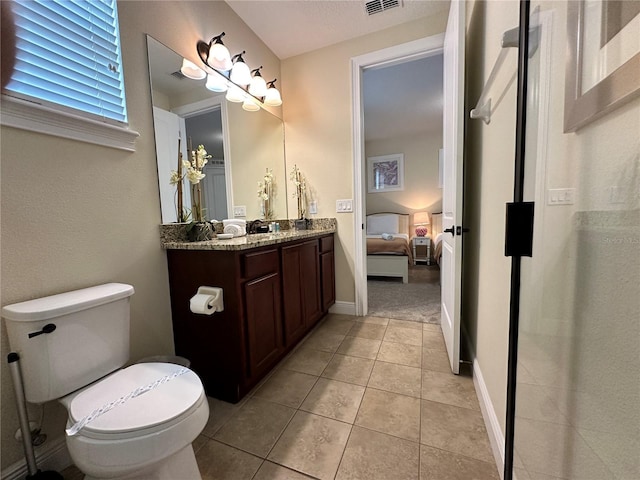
x,y
72,347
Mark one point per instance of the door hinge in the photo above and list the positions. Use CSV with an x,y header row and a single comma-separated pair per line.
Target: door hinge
x,y
519,230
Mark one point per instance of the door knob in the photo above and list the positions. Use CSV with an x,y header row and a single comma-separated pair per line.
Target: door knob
x,y
451,230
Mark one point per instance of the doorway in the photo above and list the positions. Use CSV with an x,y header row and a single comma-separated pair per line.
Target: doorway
x,y
402,117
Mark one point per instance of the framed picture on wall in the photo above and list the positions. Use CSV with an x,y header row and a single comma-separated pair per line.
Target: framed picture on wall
x,y
385,173
603,68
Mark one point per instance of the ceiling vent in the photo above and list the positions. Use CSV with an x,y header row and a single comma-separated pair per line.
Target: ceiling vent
x,y
378,6
179,75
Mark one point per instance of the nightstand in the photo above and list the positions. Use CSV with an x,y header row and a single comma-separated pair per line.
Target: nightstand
x,y
422,242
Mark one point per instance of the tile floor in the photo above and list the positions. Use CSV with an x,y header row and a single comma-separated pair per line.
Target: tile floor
x,y
362,398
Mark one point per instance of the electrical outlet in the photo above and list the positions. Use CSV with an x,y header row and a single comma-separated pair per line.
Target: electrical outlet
x,y
561,196
239,211
313,207
344,206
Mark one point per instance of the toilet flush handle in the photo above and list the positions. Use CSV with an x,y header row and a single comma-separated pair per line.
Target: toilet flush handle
x,y
48,328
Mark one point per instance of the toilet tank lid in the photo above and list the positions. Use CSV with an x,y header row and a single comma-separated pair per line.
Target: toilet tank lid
x,y
65,303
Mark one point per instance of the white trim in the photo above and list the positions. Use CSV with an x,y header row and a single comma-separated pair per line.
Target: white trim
x,y
33,117
53,455
206,105
343,308
421,48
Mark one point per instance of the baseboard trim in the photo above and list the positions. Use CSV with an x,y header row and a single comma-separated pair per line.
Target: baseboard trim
x,y
53,455
343,308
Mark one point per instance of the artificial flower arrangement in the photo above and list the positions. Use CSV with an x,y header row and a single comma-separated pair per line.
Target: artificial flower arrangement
x,y
300,190
266,193
192,170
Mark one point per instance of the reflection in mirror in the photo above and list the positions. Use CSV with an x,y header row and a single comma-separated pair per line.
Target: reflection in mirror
x,y
243,144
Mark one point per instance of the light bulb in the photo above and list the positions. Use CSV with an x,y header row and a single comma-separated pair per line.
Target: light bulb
x,y
258,86
240,73
235,94
250,106
216,83
272,97
191,70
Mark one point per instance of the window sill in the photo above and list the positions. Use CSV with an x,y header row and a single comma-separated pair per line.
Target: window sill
x,y
37,118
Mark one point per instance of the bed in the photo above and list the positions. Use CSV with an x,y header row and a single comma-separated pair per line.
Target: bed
x,y
388,252
436,236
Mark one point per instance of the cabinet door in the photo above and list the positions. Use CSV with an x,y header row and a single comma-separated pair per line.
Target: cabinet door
x,y
301,289
264,323
327,274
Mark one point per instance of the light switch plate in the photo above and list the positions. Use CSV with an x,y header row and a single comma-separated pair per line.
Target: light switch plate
x,y
344,206
239,211
313,207
561,196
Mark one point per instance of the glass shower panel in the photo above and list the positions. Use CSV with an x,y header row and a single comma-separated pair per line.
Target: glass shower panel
x,y
578,380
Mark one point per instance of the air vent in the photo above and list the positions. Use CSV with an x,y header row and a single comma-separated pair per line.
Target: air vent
x,y
377,6
178,74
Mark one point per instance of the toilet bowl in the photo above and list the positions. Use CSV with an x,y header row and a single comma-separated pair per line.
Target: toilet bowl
x,y
148,436
129,423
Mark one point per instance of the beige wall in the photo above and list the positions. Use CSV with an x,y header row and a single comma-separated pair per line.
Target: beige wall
x,y
421,191
75,214
575,332
316,91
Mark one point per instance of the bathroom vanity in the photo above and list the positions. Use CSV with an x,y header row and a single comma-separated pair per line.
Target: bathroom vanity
x,y
276,287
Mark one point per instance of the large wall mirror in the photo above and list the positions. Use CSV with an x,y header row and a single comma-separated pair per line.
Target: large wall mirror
x,y
243,144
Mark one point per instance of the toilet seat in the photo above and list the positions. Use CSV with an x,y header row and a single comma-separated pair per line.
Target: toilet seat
x,y
155,409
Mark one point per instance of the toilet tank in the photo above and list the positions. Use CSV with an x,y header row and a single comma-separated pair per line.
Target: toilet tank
x,y
90,338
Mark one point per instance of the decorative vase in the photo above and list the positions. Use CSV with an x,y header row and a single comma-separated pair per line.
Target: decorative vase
x,y
199,231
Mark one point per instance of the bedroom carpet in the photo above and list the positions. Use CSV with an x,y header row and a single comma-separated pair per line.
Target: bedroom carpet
x,y
417,301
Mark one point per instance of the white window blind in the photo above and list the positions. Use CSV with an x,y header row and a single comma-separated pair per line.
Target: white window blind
x,y
68,54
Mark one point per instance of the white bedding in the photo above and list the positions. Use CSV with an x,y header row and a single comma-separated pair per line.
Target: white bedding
x,y
395,235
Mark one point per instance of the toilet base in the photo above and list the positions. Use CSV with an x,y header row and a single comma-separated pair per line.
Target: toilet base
x,y
182,465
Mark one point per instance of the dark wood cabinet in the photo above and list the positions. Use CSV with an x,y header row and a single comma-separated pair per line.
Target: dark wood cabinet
x,y
273,296
301,289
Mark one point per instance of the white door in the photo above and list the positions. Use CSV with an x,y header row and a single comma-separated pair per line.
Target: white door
x,y
453,130
168,128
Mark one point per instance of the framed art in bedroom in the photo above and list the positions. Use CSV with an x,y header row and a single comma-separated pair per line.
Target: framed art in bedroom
x,y
385,173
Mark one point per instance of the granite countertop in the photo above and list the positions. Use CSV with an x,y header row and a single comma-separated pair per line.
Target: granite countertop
x,y
249,241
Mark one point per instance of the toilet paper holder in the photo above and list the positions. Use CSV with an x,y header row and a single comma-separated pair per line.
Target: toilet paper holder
x,y
207,300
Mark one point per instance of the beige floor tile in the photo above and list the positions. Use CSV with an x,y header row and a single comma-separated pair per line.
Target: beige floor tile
x,y
286,387
72,473
405,324
456,429
367,330
198,443
396,378
435,359
256,426
307,360
325,341
432,340
436,464
333,399
336,325
360,347
403,354
217,461
312,444
434,327
373,320
408,336
391,413
375,456
448,388
271,471
349,369
219,413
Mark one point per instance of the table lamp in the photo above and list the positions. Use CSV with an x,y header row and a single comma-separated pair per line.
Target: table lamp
x,y
420,220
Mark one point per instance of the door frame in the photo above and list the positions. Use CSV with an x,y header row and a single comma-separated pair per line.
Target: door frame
x,y
397,54
204,106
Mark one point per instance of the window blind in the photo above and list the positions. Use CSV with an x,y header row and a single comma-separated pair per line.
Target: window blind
x,y
68,54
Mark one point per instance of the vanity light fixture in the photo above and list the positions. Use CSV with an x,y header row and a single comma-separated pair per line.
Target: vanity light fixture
x,y
216,55
233,75
191,70
240,72
258,86
272,97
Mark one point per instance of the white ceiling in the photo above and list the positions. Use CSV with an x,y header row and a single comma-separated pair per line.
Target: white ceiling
x,y
293,27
